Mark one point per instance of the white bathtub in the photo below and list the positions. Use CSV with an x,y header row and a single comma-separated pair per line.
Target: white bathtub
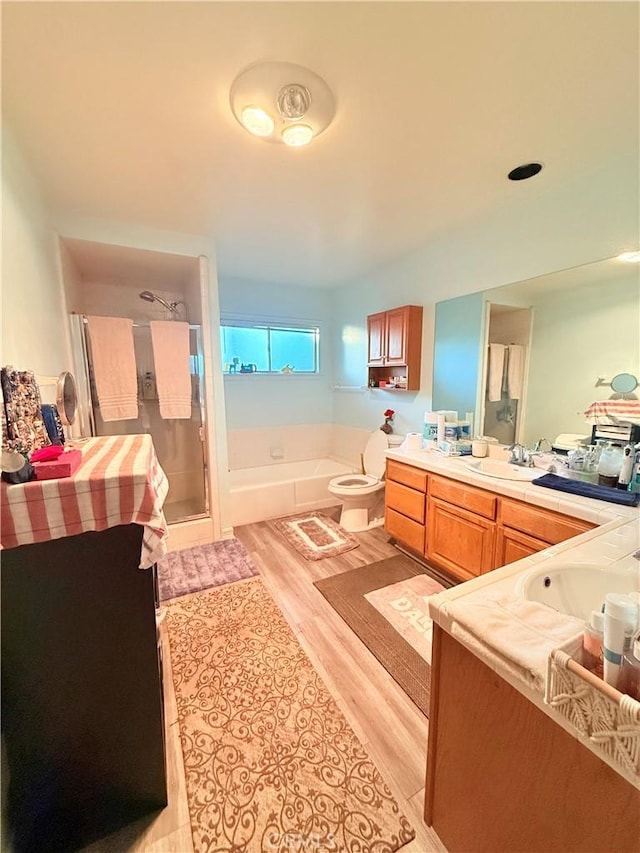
x,y
271,491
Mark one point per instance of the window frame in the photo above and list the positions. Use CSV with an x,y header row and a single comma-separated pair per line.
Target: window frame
x,y
279,324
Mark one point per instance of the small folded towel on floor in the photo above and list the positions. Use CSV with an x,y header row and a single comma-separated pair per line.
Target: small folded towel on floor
x,y
173,377
588,490
515,371
496,370
512,629
114,367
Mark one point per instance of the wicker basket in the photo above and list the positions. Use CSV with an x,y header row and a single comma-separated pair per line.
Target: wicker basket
x,y
599,714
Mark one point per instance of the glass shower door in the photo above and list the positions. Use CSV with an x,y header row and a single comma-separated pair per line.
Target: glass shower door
x,y
179,443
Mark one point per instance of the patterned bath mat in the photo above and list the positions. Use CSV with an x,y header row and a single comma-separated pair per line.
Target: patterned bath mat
x,y
399,647
203,566
315,535
271,763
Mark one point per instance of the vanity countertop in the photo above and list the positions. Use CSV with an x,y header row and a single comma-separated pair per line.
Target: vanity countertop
x,y
456,610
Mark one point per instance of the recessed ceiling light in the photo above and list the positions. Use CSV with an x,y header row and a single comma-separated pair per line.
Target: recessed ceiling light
x,y
521,173
297,135
629,257
257,121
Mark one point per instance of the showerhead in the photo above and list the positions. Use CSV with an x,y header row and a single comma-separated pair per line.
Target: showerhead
x,y
148,296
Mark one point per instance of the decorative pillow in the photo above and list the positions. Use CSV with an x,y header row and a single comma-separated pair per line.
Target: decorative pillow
x,y
25,428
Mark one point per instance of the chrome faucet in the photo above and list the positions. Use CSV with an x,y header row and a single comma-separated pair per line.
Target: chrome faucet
x,y
521,455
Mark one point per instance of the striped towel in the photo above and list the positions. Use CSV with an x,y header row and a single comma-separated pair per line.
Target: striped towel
x,y
614,411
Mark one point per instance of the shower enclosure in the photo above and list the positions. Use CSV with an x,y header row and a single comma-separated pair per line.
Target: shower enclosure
x,y
179,443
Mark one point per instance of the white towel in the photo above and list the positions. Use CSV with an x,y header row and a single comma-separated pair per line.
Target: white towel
x,y
496,369
170,341
514,629
515,370
114,367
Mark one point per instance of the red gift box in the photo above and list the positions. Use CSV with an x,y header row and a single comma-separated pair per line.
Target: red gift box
x,y
63,466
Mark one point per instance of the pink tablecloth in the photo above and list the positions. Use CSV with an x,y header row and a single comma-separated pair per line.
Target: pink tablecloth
x,y
119,481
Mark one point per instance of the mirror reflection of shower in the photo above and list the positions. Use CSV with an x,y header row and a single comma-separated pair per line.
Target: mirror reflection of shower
x,y
149,296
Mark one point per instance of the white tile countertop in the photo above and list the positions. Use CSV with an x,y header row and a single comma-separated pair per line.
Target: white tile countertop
x,y
455,467
464,611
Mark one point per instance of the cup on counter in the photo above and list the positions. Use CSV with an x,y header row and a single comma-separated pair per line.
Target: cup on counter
x,y
479,447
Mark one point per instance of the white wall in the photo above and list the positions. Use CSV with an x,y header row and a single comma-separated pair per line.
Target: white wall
x,y
257,401
33,312
598,327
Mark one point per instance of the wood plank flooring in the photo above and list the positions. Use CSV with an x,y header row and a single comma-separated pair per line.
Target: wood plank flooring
x,y
385,720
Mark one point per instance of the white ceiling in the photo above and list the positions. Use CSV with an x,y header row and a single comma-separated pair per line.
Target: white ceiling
x,y
122,110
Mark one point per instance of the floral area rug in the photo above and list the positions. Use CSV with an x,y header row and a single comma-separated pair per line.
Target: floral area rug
x,y
315,535
271,763
203,566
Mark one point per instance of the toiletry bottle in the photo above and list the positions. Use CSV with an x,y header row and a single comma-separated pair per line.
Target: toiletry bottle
x,y
624,477
629,680
592,643
620,624
634,485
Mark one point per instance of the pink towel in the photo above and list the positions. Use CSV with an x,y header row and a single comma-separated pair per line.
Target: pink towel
x,y
171,357
114,367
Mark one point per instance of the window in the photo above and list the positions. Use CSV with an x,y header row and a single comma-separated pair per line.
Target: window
x,y
269,348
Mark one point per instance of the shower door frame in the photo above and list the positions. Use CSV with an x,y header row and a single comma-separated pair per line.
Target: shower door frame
x,y
81,351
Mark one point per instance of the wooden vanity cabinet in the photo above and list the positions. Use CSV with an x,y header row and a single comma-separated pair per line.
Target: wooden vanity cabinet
x,y
503,776
466,530
524,529
405,504
460,528
395,341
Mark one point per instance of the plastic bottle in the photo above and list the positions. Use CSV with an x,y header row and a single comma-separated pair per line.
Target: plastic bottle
x,y
629,678
624,477
620,624
609,465
634,485
592,640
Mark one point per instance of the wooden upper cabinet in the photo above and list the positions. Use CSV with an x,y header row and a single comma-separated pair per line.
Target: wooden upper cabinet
x,y
395,345
376,327
396,336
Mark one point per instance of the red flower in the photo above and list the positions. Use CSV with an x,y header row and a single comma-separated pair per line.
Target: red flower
x,y
389,413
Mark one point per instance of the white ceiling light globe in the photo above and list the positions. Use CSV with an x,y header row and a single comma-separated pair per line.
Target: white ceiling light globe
x,y
297,135
257,121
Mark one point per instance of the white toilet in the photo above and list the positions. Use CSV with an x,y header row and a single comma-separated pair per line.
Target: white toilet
x,y
362,495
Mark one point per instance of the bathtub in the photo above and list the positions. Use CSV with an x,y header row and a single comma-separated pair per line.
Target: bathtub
x,y
271,491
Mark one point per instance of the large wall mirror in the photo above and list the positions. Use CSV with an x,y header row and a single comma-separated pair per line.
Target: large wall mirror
x,y
567,335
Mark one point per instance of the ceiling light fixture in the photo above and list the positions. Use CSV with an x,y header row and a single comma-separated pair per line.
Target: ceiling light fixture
x,y
282,102
629,257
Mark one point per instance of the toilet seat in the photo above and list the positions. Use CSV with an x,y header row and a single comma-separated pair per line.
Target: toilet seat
x,y
374,460
349,484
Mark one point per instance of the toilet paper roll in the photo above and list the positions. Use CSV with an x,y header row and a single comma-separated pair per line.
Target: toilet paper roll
x,y
414,441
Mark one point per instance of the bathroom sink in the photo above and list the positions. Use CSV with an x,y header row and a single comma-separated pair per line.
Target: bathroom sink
x,y
578,588
501,470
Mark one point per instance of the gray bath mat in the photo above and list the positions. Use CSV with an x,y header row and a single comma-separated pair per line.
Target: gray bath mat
x,y
203,566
